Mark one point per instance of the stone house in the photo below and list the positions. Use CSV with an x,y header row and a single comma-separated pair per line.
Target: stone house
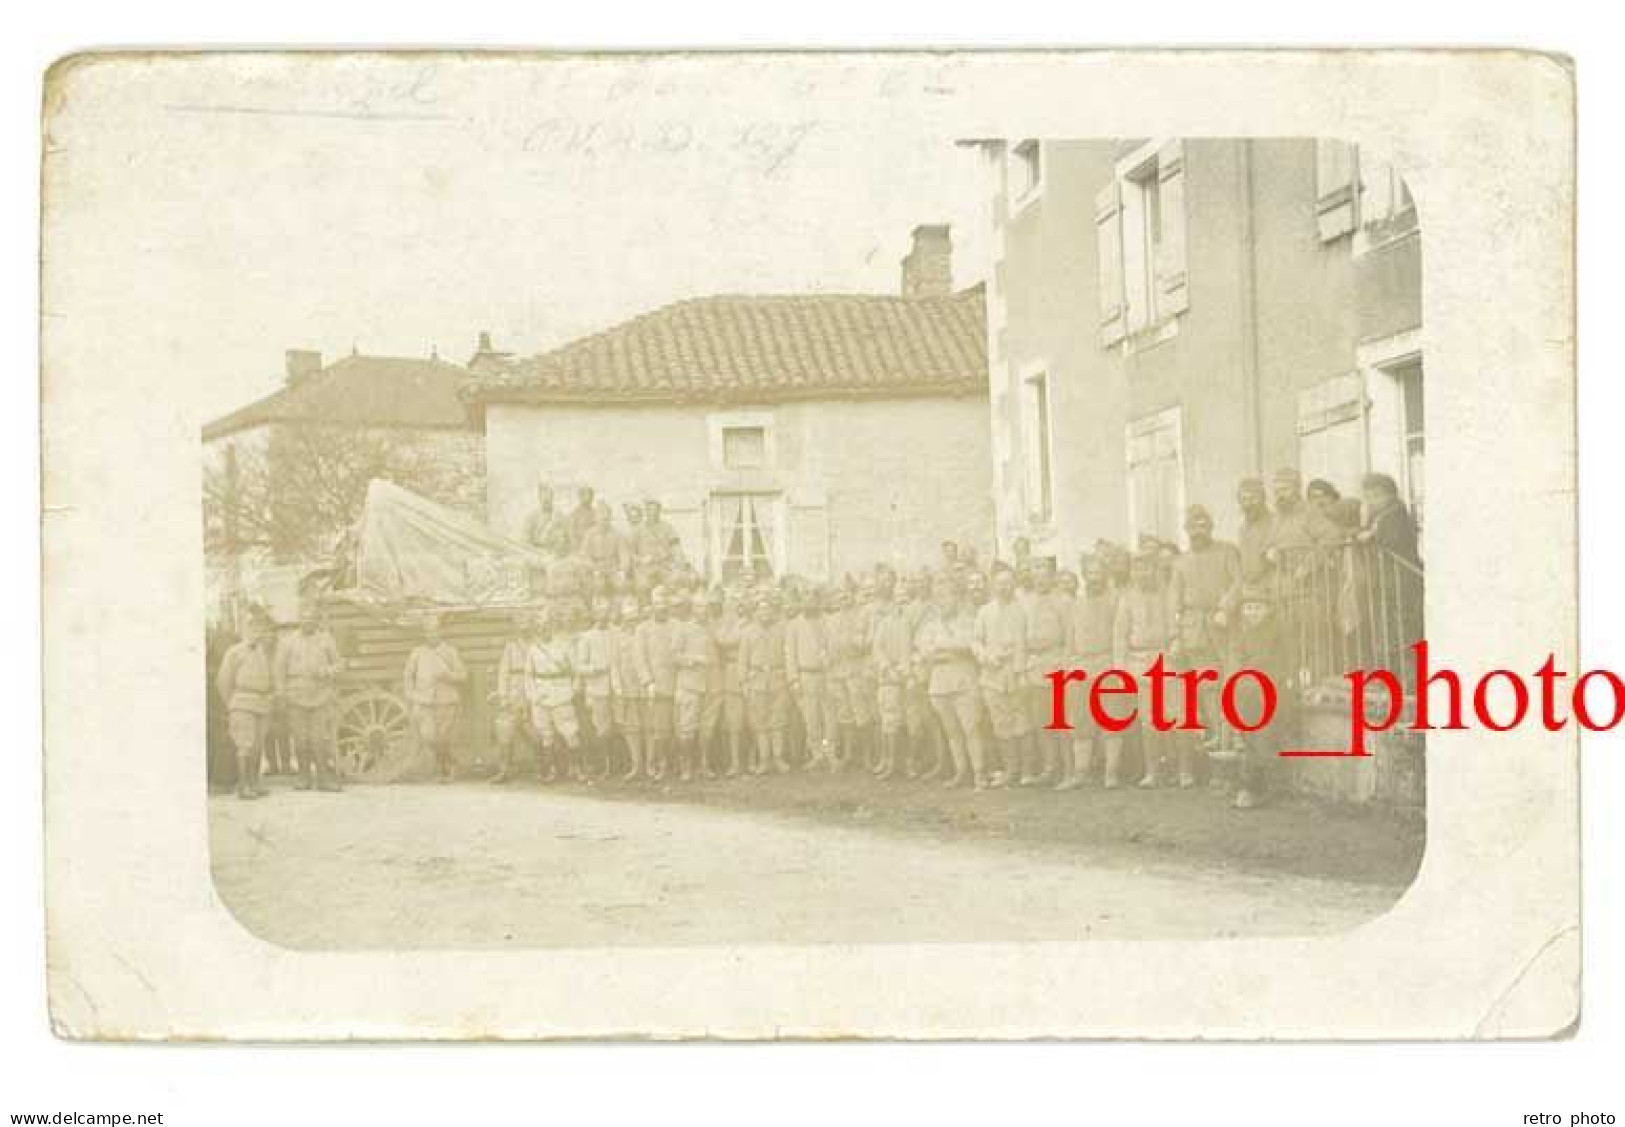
x,y
809,434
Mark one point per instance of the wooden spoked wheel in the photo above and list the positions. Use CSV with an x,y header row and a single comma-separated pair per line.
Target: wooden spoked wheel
x,y
373,728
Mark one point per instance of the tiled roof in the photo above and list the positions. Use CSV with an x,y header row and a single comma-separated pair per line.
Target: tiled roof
x,y
754,348
387,391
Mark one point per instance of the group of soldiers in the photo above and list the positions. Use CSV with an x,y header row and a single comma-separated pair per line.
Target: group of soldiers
x,y
939,675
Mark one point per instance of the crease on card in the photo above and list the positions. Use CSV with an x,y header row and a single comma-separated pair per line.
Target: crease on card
x,y
1522,1007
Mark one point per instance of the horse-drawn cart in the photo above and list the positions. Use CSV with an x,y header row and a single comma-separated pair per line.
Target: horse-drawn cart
x,y
413,558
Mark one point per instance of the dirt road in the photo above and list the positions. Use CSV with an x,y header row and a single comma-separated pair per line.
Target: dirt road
x,y
474,866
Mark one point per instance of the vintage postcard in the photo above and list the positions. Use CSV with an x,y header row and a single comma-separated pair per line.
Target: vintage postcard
x,y
811,545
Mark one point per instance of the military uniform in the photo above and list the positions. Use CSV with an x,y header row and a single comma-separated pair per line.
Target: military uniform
x,y
1202,581
761,664
510,700
724,691
695,657
808,660
855,664
893,655
433,672
945,646
591,659
305,667
1144,629
1001,653
657,645
549,668
245,684
628,678
1047,615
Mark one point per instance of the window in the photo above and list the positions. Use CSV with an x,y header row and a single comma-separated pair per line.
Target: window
x,y
1358,194
1140,242
1387,210
744,448
1026,170
1156,477
1332,434
1410,382
1036,442
741,442
744,535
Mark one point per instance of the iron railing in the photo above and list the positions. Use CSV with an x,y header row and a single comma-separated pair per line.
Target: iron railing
x,y
1349,606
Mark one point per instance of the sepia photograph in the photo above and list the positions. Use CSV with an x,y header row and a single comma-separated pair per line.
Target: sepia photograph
x,y
714,621
800,545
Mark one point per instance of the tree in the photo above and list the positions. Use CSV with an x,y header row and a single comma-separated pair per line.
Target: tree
x,y
295,495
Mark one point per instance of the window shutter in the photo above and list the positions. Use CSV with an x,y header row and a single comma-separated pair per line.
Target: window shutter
x,y
1336,175
1171,269
1109,253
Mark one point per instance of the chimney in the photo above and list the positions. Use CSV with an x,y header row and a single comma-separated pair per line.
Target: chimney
x,y
486,355
301,362
928,267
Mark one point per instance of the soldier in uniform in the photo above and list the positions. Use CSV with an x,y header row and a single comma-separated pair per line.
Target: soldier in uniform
x,y
892,656
245,685
1201,580
1293,519
1144,629
306,664
656,641
550,690
838,626
694,656
808,660
767,691
1252,541
858,670
600,545
927,755
1001,653
946,646
546,529
628,683
433,681
1263,646
660,539
724,691
592,659
630,540
582,518
1048,611
1091,640
510,699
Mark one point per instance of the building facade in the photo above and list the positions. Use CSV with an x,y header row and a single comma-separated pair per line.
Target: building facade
x,y
812,435
1167,316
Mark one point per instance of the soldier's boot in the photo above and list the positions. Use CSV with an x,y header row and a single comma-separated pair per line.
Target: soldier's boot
x,y
245,786
634,752
735,761
306,778
1083,757
504,763
1057,760
1190,752
1114,763
327,776
1026,758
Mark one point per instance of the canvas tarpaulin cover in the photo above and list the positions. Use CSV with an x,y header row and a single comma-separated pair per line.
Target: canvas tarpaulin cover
x,y
410,549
